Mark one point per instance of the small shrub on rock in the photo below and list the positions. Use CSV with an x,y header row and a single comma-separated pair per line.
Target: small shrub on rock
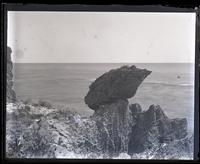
x,y
44,104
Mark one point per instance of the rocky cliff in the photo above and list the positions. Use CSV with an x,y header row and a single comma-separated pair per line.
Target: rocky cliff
x,y
10,93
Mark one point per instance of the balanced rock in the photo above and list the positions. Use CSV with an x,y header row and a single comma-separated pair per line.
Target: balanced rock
x,y
123,127
117,84
10,93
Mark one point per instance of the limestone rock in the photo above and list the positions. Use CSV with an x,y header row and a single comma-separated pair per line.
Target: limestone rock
x,y
113,123
153,127
10,93
117,84
135,109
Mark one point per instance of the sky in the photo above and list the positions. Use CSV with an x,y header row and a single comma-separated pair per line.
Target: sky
x,y
101,37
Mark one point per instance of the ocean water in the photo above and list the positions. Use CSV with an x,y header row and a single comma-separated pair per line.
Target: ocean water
x,y
64,85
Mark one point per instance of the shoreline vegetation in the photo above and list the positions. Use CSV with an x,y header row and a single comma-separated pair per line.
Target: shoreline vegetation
x,y
116,130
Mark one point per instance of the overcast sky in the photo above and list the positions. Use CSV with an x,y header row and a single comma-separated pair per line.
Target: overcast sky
x,y
101,37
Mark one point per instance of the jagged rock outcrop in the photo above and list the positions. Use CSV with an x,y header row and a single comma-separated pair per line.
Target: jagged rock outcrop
x,y
10,93
117,84
153,127
124,127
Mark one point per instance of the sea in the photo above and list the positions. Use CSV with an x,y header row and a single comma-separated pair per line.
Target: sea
x,y
170,85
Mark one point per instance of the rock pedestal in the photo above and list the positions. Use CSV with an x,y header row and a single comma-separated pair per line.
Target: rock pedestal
x,y
114,123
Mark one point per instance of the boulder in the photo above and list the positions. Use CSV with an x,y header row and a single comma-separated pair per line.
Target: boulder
x,y
10,93
117,84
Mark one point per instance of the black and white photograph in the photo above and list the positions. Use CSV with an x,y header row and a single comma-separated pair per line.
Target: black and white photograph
x,y
100,85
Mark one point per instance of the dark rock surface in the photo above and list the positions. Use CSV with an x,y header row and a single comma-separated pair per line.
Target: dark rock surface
x,y
117,84
114,122
153,127
135,109
10,93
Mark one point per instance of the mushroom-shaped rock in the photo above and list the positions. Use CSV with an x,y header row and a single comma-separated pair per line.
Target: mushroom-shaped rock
x,y
117,84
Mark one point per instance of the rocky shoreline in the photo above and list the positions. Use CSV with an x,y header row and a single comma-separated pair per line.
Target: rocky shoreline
x,y
40,132
117,129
